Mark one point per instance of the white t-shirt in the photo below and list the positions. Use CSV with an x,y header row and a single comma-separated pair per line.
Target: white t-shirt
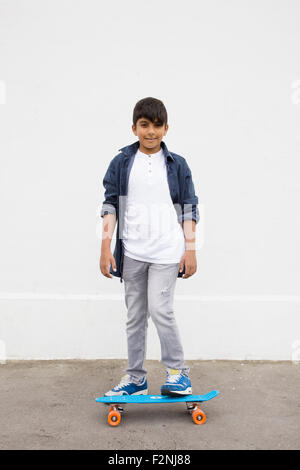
x,y
152,232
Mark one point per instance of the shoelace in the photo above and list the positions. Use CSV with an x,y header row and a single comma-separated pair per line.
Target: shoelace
x,y
124,381
173,378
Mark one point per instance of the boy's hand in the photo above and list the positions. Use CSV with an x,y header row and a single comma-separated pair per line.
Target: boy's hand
x,y
190,262
106,260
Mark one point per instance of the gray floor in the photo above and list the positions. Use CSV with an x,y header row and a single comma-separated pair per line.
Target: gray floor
x,y
50,405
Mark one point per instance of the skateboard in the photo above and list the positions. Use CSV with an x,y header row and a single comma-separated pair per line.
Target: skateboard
x,y
192,404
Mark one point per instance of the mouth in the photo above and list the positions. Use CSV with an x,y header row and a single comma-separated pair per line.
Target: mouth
x,y
150,140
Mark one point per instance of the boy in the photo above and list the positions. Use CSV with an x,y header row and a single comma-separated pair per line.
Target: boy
x,y
150,192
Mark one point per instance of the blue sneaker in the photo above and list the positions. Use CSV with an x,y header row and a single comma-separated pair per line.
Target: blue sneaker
x,y
127,387
177,383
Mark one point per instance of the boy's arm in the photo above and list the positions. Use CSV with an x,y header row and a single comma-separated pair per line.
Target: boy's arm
x,y
189,259
108,227
107,258
110,202
189,230
190,217
190,200
109,215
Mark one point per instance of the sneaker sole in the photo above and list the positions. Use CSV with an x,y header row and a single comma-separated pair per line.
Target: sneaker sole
x,y
142,392
166,391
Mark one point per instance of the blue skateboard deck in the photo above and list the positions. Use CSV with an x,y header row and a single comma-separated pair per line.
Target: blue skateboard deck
x,y
192,403
157,398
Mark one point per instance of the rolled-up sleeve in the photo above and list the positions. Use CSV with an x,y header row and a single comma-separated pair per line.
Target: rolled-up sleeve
x,y
109,205
190,209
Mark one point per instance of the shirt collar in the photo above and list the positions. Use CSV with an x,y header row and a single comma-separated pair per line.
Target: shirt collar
x,y
156,154
132,149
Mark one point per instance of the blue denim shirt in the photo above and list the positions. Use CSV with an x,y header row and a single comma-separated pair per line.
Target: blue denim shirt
x,y
115,182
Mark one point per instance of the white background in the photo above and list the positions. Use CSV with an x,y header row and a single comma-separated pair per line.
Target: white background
x,y
229,75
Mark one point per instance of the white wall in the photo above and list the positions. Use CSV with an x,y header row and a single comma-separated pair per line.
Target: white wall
x,y
229,75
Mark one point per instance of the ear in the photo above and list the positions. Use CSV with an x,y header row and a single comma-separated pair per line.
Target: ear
x,y
166,129
134,129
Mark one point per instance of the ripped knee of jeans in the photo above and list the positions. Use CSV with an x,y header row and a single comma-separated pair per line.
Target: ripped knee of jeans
x,y
165,290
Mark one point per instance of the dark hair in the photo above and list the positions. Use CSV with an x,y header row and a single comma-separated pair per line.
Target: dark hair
x,y
152,109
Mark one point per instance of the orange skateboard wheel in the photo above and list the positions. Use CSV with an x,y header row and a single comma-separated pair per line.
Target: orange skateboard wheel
x,y
198,416
114,417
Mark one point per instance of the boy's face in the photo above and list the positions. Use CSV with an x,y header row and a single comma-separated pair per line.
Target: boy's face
x,y
150,134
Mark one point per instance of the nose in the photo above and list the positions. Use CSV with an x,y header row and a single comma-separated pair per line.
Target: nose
x,y
151,133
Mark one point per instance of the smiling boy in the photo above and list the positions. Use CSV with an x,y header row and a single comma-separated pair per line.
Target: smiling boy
x,y
150,193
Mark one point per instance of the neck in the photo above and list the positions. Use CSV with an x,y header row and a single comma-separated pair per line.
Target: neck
x,y
149,151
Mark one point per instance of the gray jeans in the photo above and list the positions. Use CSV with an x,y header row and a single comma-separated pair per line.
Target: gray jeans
x,y
149,291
